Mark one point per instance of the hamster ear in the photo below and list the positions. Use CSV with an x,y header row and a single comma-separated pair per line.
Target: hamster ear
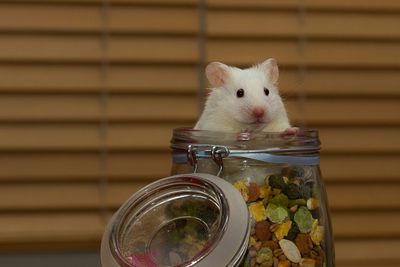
x,y
216,73
270,68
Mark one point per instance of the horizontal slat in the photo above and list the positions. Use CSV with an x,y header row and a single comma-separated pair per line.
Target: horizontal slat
x,y
362,140
317,111
114,2
89,107
340,82
16,48
50,166
52,107
359,168
31,17
53,48
367,5
50,137
151,2
364,196
140,165
146,108
27,17
364,5
314,53
368,263
242,24
345,111
154,19
83,166
77,196
78,137
368,250
87,19
153,79
123,136
79,78
366,224
50,228
58,78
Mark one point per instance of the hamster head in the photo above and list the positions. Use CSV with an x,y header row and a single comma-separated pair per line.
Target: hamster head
x,y
246,99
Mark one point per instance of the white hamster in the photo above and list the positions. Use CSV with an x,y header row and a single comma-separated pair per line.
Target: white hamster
x,y
244,100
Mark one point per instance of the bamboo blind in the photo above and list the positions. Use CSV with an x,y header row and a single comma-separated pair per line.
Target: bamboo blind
x,y
90,91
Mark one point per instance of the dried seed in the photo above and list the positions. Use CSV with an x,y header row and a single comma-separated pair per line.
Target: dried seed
x,y
312,203
294,208
252,252
257,245
278,252
290,250
274,227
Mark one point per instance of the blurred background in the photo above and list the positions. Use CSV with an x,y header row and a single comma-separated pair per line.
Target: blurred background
x,y
90,91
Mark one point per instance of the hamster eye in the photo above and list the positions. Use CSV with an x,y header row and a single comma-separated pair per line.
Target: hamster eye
x,y
240,93
266,91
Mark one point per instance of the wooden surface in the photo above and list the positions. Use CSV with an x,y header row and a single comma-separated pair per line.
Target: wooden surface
x,y
83,99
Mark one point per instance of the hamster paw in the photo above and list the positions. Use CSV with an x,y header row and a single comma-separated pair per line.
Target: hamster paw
x,y
290,132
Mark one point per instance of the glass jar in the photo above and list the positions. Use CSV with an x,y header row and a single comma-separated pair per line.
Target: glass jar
x,y
279,179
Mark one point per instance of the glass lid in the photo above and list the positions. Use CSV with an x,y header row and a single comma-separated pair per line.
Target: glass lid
x,y
183,220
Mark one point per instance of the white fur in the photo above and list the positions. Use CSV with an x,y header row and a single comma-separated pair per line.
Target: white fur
x,y
225,112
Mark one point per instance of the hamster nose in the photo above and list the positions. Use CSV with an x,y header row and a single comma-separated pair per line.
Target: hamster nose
x,y
258,112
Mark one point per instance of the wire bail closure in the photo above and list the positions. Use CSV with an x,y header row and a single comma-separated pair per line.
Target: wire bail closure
x,y
217,153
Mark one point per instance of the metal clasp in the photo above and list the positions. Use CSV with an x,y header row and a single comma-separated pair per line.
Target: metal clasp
x,y
216,153
192,157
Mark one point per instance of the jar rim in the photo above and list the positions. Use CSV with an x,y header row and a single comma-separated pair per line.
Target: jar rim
x,y
303,140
